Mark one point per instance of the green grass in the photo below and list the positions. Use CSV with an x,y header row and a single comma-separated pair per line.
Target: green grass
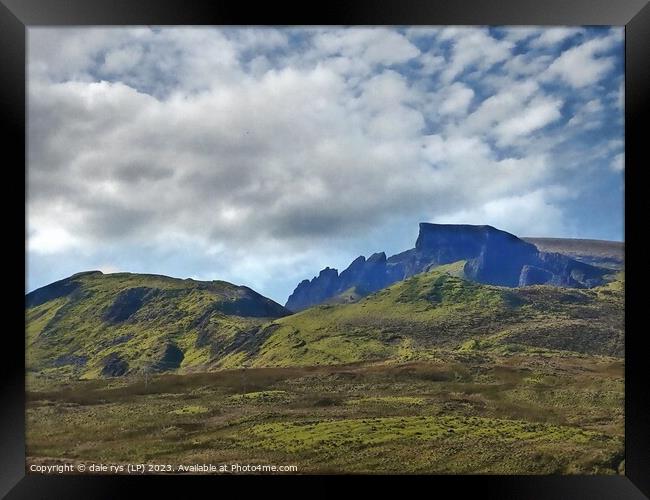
x,y
190,410
387,400
439,309
361,433
69,337
261,397
434,374
502,414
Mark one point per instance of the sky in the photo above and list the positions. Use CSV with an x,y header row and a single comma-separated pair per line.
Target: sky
x,y
260,156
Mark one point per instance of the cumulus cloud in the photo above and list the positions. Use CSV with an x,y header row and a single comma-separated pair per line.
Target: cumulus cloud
x,y
473,49
588,116
373,46
618,163
552,36
515,111
260,155
529,214
122,59
584,64
457,99
537,114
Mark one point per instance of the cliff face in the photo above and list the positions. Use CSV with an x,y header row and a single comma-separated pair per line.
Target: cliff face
x,y
366,275
317,290
492,256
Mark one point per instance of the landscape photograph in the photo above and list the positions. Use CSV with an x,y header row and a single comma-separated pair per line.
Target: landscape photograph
x,y
325,250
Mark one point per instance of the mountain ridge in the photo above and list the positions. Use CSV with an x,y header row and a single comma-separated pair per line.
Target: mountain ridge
x,y
182,325
439,310
492,257
602,253
93,324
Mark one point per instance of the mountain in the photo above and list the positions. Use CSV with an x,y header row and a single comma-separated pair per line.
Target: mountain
x,y
607,254
439,309
465,377
93,324
492,257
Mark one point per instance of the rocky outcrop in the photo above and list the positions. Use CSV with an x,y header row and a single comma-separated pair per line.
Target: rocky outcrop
x,y
369,275
248,303
533,275
169,357
599,253
114,365
566,271
318,290
127,303
492,257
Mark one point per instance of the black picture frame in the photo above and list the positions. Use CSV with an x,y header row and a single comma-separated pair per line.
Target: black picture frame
x,y
17,15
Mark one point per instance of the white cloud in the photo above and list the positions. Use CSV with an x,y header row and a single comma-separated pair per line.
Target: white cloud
x,y
245,155
51,55
518,34
456,99
552,36
122,59
537,114
259,38
422,32
584,64
373,46
431,63
502,105
473,48
527,64
589,116
386,89
109,268
530,214
512,114
618,163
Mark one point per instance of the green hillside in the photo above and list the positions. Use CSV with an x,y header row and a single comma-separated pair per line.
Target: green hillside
x,y
96,325
92,325
429,312
435,374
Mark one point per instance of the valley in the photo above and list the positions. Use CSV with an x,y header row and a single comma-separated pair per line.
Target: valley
x,y
459,413
436,373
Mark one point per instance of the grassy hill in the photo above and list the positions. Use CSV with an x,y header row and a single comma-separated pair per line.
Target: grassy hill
x,y
417,317
92,325
435,374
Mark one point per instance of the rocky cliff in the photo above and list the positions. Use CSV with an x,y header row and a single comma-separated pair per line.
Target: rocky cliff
x,y
492,256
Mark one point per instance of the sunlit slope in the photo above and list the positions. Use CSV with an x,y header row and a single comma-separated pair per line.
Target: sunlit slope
x,y
438,310
92,324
